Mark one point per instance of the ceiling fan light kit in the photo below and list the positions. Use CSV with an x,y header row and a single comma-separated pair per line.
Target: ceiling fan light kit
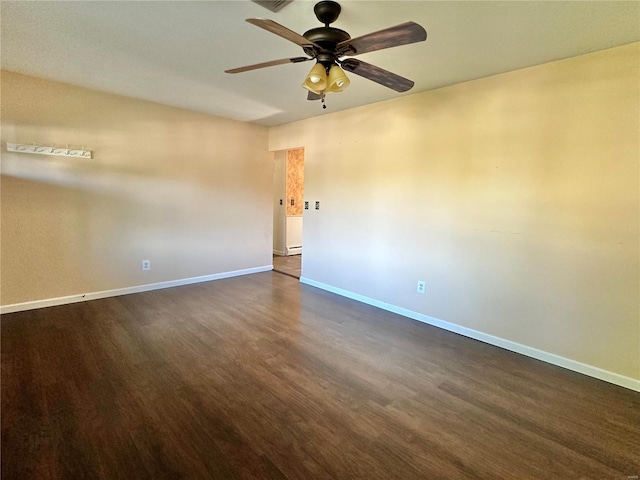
x,y
316,81
327,45
338,80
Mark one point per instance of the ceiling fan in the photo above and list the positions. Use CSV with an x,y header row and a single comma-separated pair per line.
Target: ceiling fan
x,y
327,45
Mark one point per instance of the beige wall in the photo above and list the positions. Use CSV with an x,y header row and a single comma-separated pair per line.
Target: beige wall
x,y
279,195
188,191
515,197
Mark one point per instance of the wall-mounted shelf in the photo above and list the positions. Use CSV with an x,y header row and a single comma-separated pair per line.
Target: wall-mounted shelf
x,y
48,150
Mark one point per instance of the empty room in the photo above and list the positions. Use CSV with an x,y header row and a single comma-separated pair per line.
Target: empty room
x,y
455,185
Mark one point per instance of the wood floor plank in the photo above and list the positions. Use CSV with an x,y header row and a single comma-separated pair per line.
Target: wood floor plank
x,y
289,265
260,377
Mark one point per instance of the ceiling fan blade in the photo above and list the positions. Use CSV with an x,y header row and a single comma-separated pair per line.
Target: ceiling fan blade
x,y
313,96
377,74
403,34
281,31
268,64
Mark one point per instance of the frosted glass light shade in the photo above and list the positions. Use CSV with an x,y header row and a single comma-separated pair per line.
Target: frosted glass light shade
x,y
316,81
338,80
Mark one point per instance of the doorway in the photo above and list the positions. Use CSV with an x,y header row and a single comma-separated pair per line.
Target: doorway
x,y
288,208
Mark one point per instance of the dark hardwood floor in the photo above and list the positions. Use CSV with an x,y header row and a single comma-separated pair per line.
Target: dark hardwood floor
x,y
289,265
260,377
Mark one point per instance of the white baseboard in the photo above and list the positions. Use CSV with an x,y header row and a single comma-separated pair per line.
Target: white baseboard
x,y
294,250
554,359
83,297
281,253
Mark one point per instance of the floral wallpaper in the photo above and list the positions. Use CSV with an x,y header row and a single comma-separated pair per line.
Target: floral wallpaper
x,y
295,181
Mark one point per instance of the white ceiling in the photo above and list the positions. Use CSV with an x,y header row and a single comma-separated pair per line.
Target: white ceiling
x,y
175,52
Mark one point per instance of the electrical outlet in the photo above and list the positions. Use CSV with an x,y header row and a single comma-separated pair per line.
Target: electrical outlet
x,y
421,286
146,265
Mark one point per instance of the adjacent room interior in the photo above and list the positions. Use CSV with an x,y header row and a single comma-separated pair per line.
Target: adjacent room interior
x,y
288,209
465,302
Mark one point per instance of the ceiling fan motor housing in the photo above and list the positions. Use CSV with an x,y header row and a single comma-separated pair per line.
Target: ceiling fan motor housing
x,y
326,37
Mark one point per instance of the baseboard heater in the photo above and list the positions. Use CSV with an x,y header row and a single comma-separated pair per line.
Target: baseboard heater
x,y
295,250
